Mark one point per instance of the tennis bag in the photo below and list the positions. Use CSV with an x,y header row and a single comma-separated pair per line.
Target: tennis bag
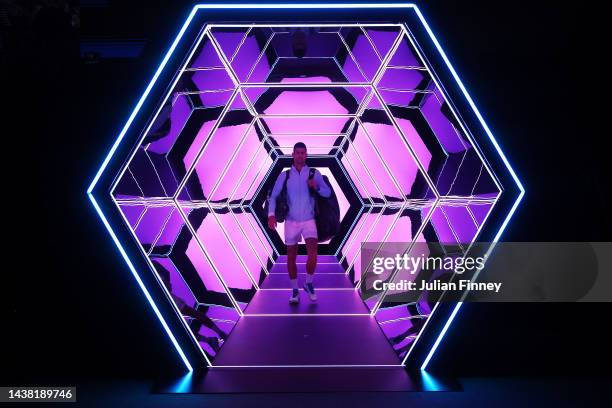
x,y
327,212
282,206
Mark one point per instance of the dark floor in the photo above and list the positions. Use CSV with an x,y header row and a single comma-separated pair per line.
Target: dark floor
x,y
335,330
306,340
477,392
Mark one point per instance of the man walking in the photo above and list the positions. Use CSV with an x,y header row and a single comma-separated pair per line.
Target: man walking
x,y
300,220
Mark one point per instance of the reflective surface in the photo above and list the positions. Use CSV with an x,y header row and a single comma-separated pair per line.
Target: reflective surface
x,y
374,119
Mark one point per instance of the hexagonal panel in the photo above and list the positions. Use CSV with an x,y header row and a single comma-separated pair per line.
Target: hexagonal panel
x,y
349,202
377,120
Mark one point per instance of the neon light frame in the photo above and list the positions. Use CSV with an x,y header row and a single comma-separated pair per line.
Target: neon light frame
x,y
96,187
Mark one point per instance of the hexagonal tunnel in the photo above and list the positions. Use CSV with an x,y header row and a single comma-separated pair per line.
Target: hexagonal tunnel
x,y
374,120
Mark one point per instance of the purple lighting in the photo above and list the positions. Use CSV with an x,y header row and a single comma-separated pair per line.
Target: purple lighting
x,y
377,123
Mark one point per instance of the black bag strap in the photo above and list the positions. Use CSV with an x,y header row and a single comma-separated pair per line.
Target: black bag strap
x,y
284,189
311,174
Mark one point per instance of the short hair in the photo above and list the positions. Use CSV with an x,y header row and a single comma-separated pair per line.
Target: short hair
x,y
298,145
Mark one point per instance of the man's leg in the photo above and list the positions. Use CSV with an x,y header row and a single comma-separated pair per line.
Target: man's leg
x,y
292,237
292,251
311,265
311,250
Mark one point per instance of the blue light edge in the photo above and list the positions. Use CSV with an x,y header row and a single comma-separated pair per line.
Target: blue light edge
x,y
499,151
237,6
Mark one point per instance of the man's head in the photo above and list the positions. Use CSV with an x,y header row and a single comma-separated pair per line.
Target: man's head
x,y
299,154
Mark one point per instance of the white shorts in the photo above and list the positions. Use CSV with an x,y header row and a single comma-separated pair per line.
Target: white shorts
x,y
294,230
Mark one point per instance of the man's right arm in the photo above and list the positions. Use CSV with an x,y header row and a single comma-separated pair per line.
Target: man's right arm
x,y
278,186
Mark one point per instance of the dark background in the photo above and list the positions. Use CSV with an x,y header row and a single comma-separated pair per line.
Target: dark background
x,y
536,71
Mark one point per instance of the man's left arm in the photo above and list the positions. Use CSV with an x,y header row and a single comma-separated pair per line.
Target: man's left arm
x,y
322,188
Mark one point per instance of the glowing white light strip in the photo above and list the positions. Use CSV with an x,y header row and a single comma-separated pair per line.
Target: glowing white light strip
x,y
141,100
246,314
263,264
442,333
262,166
140,283
206,203
166,291
267,246
452,200
449,102
477,180
363,165
155,170
290,6
348,178
350,54
369,232
452,316
412,244
306,115
343,167
152,122
318,288
304,263
310,135
178,312
215,68
134,178
231,243
205,145
195,235
382,241
450,188
389,173
153,201
245,36
385,61
318,147
412,91
402,319
363,105
107,161
243,175
348,232
435,307
264,244
161,230
129,122
305,85
499,151
233,157
263,52
255,194
308,366
383,161
141,216
250,107
351,241
371,44
413,155
363,215
251,26
228,67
